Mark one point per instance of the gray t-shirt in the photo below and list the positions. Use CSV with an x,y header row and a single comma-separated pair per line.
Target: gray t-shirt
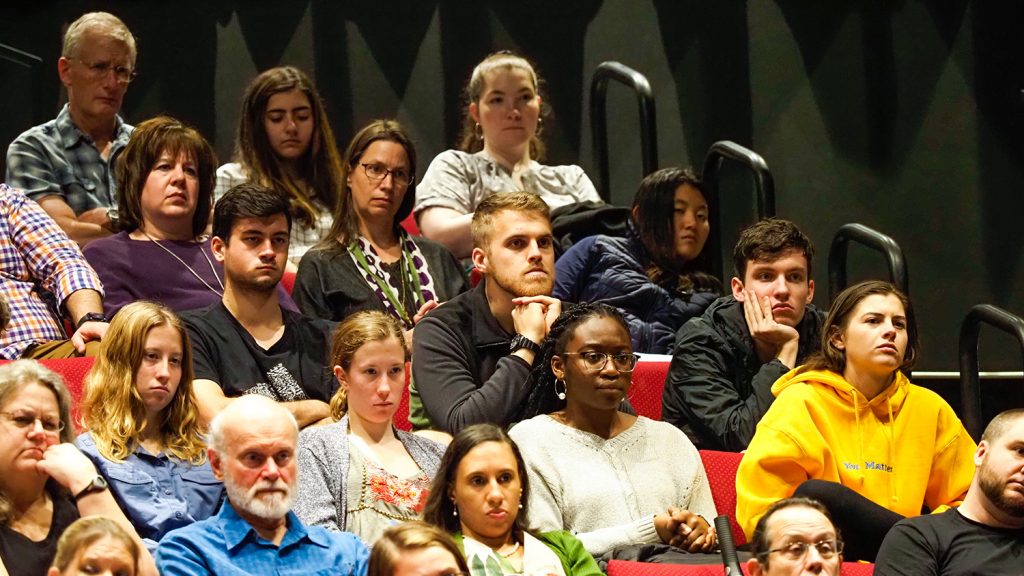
x,y
459,181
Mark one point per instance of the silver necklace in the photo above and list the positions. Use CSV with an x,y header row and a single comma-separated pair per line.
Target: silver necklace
x,y
190,269
509,553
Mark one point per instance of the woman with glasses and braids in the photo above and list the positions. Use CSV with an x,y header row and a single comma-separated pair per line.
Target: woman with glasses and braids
x,y
610,478
367,261
285,142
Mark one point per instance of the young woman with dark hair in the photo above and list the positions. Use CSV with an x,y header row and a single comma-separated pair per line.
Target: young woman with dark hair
x,y
656,274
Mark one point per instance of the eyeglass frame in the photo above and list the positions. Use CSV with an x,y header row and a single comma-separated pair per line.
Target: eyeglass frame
x,y
123,74
13,419
387,172
836,543
604,364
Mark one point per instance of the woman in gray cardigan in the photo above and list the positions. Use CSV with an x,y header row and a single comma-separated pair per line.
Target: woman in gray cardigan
x,y
359,474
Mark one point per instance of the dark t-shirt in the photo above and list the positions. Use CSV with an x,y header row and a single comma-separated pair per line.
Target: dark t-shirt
x,y
294,368
949,544
23,557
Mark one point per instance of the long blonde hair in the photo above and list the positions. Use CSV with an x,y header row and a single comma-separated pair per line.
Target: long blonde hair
x,y
357,330
112,408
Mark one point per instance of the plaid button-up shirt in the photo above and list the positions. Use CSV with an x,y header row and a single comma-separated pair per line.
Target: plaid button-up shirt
x,y
58,159
39,268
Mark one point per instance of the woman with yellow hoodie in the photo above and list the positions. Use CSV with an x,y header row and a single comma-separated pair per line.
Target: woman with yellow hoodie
x,y
850,430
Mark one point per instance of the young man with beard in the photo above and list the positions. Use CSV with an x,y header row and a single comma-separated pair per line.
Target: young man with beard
x,y
473,356
246,343
985,534
725,361
252,450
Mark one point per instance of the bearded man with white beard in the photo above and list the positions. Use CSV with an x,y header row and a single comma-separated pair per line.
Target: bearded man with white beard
x,y
985,534
252,450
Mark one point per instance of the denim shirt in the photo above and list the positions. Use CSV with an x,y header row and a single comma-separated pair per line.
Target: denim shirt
x,y
227,545
157,493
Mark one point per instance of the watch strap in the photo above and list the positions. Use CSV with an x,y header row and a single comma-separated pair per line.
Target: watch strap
x,y
98,484
519,341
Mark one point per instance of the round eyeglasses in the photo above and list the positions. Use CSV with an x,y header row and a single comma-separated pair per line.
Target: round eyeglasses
x,y
123,74
598,360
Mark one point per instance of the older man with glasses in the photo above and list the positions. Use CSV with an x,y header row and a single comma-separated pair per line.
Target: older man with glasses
x,y
795,537
67,164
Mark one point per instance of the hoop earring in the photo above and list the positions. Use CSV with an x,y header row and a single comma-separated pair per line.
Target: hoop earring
x,y
478,131
561,395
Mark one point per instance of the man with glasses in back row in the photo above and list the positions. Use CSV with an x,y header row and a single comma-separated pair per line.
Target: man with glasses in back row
x,y
67,164
795,537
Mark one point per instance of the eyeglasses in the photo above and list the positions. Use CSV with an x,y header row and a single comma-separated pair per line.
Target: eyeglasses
x,y
375,173
796,551
598,360
28,419
99,70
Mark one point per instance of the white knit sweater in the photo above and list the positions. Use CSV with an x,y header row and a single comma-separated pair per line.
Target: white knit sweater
x,y
607,492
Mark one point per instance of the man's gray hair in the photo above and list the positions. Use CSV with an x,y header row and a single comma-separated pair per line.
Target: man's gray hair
x,y
250,404
102,23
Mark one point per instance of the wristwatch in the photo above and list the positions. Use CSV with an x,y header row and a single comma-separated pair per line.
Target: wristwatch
x,y
98,484
520,341
91,317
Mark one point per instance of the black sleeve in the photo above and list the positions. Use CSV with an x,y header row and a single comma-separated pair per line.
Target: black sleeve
x,y
700,390
906,551
309,293
204,357
447,385
449,276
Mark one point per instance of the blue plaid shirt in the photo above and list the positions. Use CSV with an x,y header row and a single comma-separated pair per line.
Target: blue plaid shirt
x,y
39,268
58,159
226,545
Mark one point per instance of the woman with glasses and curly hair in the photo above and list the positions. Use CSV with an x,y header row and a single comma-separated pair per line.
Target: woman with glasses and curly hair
x,y
367,261
144,434
285,142
596,471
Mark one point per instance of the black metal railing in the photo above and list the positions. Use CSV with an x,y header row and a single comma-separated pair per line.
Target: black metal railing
x,y
861,234
763,182
970,381
604,73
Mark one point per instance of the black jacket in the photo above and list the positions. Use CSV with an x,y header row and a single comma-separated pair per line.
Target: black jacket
x,y
717,389
463,370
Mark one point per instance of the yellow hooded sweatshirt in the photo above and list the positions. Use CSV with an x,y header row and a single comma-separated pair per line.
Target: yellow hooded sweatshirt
x,y
902,449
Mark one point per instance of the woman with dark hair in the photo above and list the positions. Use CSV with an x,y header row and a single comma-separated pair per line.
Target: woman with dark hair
x,y
45,482
368,261
285,142
500,151
655,275
360,474
144,434
610,478
95,545
416,548
481,495
165,182
850,430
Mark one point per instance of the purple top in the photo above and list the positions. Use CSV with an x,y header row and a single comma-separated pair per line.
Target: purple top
x,y
140,270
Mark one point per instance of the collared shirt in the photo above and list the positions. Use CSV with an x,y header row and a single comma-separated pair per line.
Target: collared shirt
x,y
227,545
39,268
158,493
58,159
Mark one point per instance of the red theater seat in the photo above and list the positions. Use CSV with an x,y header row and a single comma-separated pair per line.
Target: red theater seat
x,y
288,281
721,470
401,417
648,382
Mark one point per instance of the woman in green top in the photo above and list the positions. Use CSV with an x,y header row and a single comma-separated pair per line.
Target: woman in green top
x,y
480,494
367,261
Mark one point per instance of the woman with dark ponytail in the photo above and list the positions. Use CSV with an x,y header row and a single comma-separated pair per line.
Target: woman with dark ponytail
x,y
596,471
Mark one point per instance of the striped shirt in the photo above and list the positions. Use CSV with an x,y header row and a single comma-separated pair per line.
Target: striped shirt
x,y
40,267
58,159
